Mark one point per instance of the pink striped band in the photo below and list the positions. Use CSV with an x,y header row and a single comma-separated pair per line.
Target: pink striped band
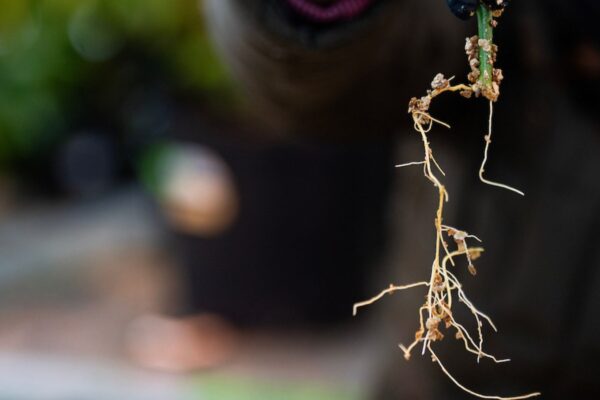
x,y
339,10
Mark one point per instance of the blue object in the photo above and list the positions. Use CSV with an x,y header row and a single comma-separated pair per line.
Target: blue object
x,y
463,9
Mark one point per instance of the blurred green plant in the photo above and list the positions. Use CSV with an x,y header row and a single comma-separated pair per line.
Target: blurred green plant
x,y
223,387
52,51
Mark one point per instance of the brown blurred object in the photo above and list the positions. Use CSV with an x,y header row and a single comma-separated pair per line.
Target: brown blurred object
x,y
339,81
587,60
180,344
199,196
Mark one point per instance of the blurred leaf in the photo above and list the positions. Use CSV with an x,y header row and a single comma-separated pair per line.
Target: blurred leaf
x,y
22,135
52,51
146,18
93,35
151,164
198,66
229,388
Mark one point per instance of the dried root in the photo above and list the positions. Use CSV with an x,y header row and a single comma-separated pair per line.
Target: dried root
x,y
436,316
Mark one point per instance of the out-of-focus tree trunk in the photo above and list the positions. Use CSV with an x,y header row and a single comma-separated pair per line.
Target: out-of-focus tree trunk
x,y
346,80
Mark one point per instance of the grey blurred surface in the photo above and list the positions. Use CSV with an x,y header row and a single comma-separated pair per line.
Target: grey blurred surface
x,y
75,276
56,237
35,376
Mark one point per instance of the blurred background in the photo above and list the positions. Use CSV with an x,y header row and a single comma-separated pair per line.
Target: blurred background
x,y
193,195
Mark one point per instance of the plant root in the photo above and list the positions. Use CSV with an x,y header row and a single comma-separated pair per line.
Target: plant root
x,y
488,142
436,315
436,359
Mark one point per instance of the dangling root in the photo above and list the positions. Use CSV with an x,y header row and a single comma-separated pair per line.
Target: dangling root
x,y
443,286
488,142
389,290
436,314
436,359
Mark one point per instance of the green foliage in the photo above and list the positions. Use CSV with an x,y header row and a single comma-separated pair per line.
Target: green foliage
x,y
234,388
51,49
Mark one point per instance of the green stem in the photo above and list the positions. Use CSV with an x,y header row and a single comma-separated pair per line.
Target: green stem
x,y
486,31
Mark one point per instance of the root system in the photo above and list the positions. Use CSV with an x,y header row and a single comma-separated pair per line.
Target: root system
x,y
444,290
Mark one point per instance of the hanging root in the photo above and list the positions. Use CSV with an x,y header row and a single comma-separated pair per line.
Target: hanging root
x,y
488,142
481,396
443,288
436,315
389,290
